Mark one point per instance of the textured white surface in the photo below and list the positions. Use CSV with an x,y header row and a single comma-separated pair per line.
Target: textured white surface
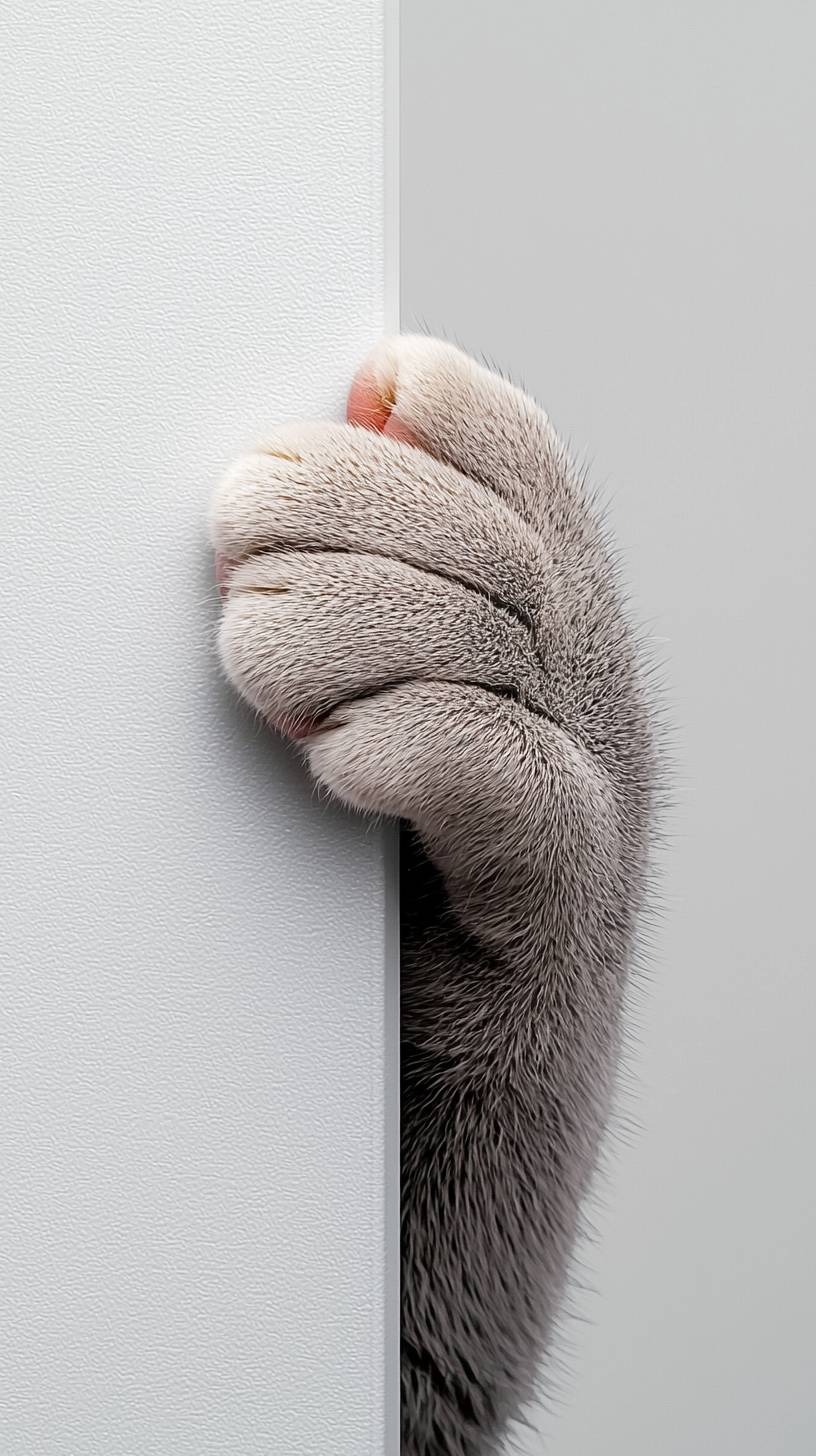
x,y
191,1077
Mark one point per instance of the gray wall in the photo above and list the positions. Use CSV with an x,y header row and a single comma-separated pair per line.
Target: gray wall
x,y
616,202
191,994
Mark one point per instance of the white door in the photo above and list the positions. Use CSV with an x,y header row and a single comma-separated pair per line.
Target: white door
x,y
192,1090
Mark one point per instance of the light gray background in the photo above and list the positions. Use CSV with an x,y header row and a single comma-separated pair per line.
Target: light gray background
x,y
616,202
191,994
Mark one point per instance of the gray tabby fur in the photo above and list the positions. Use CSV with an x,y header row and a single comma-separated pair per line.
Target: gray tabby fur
x,y
450,616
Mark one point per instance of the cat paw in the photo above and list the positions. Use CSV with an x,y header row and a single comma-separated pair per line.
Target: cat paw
x,y
385,581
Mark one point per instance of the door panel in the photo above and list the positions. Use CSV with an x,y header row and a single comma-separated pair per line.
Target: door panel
x,y
191,1076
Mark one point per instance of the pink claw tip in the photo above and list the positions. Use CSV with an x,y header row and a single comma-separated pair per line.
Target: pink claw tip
x,y
223,571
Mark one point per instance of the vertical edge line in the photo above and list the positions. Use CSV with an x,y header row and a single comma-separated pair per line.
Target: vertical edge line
x,y
391,168
391,856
